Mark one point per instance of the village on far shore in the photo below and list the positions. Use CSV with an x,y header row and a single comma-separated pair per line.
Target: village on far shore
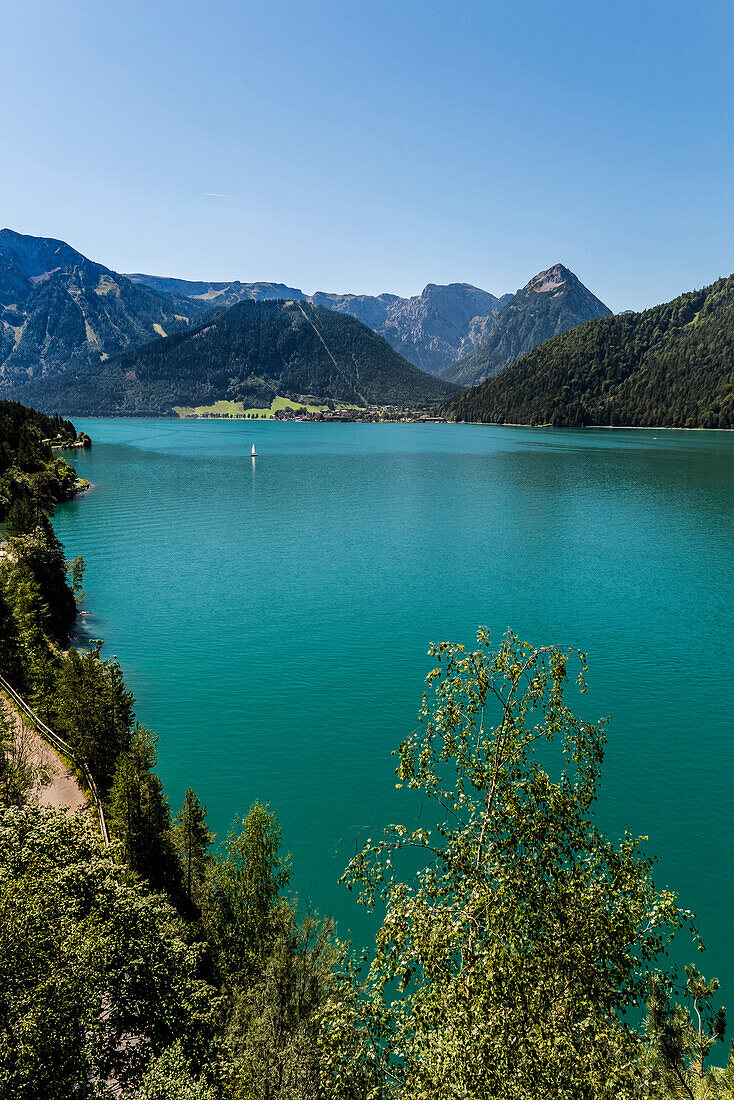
x,y
304,409
371,414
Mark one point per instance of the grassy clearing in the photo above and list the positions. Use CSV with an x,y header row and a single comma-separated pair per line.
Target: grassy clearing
x,y
219,408
236,409
285,403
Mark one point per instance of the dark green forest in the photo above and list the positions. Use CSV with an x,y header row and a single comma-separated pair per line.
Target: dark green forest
x,y
671,366
250,352
520,952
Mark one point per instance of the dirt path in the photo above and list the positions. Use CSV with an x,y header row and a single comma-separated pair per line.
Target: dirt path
x,y
61,790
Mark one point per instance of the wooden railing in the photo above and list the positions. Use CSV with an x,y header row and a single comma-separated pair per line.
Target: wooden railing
x,y
60,745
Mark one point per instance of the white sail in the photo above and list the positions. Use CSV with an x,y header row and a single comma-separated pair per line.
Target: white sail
x,y
253,452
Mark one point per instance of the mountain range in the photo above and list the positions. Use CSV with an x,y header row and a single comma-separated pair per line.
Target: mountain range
x,y
251,353
217,295
455,331
431,329
670,366
59,310
554,301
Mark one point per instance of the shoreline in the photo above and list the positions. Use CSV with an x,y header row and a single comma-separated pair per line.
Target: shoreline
x,y
410,423
583,427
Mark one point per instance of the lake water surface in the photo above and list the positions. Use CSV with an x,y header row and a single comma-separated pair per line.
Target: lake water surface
x,y
273,620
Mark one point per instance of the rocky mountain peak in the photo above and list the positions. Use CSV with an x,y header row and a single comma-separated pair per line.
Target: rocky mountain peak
x,y
550,280
551,303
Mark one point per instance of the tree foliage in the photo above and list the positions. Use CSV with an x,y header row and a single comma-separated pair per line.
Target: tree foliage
x,y
247,881
94,710
139,815
192,840
96,975
514,963
279,970
681,1037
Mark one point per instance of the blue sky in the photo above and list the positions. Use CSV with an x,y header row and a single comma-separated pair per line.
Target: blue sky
x,y
380,146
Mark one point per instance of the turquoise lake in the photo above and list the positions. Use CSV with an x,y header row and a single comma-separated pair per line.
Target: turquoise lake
x,y
273,620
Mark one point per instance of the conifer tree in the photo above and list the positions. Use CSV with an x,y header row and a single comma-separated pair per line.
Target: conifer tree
x,y
192,840
95,711
139,814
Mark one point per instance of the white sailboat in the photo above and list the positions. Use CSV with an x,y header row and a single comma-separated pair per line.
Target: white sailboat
x,y
253,452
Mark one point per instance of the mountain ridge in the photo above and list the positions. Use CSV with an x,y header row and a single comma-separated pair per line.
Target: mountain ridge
x,y
430,329
59,310
251,352
552,302
669,366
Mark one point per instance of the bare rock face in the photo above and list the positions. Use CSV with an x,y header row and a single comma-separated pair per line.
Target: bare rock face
x,y
431,329
372,310
436,327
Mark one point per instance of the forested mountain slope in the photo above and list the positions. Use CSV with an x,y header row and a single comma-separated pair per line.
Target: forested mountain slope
x,y
59,310
431,329
251,352
552,302
671,366
28,465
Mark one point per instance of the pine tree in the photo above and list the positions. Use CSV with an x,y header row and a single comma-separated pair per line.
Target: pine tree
x,y
95,711
192,839
139,814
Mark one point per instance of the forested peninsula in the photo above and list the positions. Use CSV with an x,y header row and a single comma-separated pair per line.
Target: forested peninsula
x,y
525,958
670,366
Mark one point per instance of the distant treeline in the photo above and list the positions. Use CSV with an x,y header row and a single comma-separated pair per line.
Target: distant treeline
x,y
671,366
516,963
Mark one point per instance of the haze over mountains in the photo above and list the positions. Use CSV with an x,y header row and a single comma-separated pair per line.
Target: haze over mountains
x,y
250,353
670,366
